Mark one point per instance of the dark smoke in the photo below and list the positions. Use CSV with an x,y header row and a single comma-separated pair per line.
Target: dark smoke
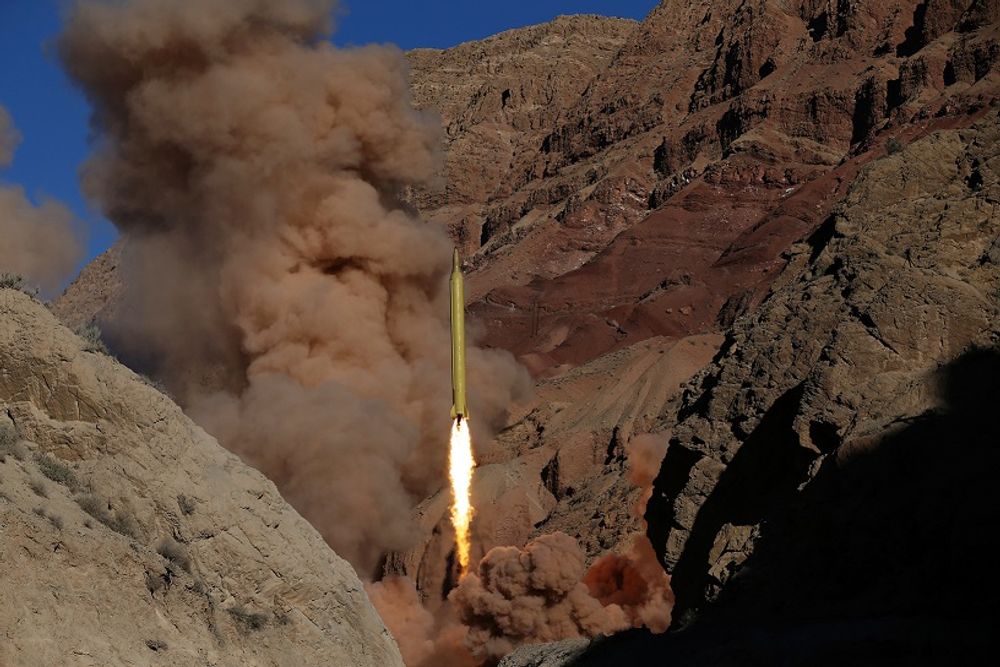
x,y
273,280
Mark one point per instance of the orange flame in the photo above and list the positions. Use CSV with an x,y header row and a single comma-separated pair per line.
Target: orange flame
x,y
460,465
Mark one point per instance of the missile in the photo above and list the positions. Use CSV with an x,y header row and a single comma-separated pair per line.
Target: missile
x,y
459,409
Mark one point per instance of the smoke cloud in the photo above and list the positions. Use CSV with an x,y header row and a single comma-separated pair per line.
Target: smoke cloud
x,y
531,595
425,639
645,454
9,138
542,593
635,582
39,243
273,280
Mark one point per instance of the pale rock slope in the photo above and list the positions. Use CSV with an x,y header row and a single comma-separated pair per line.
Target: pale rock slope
x,y
128,536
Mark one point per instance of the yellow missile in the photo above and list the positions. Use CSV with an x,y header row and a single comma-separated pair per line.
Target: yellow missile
x,y
459,409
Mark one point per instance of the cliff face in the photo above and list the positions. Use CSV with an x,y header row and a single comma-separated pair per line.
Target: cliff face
x,y
131,537
827,493
739,128
834,460
660,199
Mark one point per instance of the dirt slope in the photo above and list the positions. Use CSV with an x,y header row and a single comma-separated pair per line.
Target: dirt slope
x,y
131,537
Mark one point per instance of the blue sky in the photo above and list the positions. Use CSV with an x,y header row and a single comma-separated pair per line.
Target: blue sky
x,y
52,116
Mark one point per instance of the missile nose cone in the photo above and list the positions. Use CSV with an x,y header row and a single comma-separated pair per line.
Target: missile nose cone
x,y
456,263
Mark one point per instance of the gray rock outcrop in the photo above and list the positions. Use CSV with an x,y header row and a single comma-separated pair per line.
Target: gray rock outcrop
x,y
128,536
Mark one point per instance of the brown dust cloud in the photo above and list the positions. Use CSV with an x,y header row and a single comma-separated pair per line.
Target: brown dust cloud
x,y
38,242
289,300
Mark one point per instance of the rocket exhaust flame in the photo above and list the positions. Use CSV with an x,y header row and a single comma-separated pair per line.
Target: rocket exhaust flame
x,y
460,465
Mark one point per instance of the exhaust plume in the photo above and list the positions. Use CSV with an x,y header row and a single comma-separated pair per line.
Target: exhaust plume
x,y
530,596
461,465
542,593
273,280
39,243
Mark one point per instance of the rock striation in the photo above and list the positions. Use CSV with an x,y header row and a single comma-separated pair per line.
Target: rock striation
x,y
658,198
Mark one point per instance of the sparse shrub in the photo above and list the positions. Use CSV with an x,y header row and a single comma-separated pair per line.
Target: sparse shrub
x,y
94,506
154,582
56,471
175,553
120,522
14,281
91,336
11,281
124,524
38,486
156,384
10,443
248,620
4,496
156,645
55,520
893,146
186,504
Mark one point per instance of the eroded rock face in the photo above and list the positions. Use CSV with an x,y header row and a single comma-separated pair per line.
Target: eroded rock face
x,y
834,459
662,199
131,537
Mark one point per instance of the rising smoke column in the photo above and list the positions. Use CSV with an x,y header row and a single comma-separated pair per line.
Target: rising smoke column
x,y
272,278
39,243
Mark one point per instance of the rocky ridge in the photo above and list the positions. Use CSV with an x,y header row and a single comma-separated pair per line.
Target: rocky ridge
x,y
714,138
869,340
826,494
131,537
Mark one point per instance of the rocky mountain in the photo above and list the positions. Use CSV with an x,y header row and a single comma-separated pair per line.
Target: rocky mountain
x,y
872,361
826,494
767,231
659,199
131,537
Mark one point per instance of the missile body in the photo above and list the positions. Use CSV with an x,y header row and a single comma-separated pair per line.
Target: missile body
x,y
459,409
